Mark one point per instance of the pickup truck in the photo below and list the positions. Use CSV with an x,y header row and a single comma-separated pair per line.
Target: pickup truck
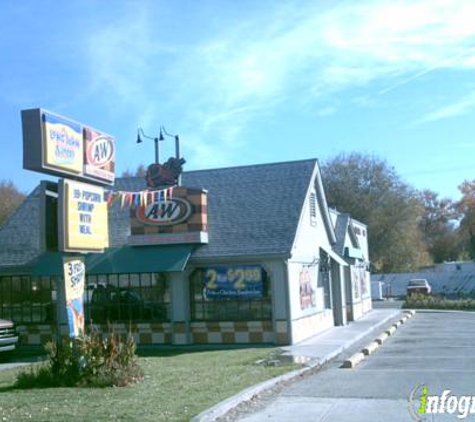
x,y
8,336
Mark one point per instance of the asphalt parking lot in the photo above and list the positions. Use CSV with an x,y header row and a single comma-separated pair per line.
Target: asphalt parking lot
x,y
436,350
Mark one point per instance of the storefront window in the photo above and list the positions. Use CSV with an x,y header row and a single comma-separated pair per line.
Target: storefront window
x,y
26,299
234,293
107,298
127,297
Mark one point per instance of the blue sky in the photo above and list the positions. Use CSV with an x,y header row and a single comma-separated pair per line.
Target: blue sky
x,y
246,82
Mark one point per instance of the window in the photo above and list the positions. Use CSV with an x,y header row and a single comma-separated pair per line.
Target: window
x,y
205,308
127,297
107,298
26,299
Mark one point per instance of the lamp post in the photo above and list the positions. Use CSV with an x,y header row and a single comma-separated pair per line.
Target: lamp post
x,y
158,139
155,139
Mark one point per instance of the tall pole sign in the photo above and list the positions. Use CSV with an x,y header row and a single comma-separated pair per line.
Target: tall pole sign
x,y
56,145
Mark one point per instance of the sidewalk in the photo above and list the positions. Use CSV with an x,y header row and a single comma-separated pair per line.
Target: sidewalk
x,y
314,352
325,346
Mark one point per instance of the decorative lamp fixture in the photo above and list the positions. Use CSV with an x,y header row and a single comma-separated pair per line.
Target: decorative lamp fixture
x,y
167,174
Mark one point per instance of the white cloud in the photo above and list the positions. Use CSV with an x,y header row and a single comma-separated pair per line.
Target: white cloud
x,y
220,84
463,106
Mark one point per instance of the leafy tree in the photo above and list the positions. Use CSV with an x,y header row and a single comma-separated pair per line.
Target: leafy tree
x,y
372,192
438,226
466,207
10,199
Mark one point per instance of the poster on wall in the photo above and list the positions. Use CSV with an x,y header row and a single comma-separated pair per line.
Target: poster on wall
x,y
355,281
307,283
74,279
364,280
83,217
240,282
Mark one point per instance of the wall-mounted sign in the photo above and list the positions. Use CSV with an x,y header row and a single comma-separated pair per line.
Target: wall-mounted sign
x,y
74,279
56,145
181,218
240,282
165,213
83,218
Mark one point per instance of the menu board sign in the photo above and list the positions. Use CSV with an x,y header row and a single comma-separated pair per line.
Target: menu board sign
x,y
83,219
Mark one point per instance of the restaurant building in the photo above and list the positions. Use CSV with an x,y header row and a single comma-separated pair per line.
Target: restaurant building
x,y
247,254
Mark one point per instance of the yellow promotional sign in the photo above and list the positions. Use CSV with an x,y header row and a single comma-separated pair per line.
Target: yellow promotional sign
x,y
84,217
63,143
74,279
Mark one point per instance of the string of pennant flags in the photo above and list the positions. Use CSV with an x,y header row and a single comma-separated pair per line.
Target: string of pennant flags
x,y
138,199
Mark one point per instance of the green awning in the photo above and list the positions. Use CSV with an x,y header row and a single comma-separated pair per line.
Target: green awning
x,y
140,259
47,264
126,259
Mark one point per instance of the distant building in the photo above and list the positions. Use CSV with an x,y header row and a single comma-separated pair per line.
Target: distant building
x,y
448,278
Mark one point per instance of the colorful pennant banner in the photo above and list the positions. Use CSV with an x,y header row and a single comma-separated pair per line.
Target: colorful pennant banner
x,y
138,199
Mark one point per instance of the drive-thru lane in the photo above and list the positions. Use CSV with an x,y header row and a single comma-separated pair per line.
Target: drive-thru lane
x,y
432,349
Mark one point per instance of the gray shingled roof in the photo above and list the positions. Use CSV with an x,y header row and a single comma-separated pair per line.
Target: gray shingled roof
x,y
251,210
20,234
341,229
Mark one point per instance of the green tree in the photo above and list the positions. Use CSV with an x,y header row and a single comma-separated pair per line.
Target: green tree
x,y
439,228
466,207
10,199
372,192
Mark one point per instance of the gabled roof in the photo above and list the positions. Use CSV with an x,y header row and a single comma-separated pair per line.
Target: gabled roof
x,y
252,210
323,206
343,228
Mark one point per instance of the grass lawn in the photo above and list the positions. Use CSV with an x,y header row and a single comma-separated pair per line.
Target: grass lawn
x,y
178,384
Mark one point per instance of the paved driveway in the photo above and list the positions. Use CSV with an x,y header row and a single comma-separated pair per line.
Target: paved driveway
x,y
432,349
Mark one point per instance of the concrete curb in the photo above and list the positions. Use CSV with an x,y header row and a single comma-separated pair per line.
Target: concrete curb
x,y
354,360
357,358
370,348
381,338
391,330
248,394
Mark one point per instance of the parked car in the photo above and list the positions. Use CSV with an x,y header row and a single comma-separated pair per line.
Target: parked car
x,y
418,285
8,336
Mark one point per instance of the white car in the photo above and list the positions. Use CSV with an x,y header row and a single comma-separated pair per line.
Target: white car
x,y
8,336
418,285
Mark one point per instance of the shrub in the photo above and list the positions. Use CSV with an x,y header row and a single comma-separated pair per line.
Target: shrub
x,y
419,301
90,361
